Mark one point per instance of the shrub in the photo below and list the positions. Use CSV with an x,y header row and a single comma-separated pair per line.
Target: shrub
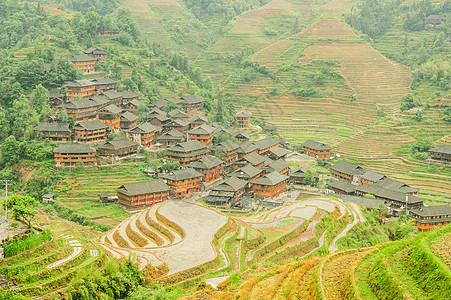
x,y
27,242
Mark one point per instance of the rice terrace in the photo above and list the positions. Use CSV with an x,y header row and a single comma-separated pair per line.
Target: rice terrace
x,y
245,149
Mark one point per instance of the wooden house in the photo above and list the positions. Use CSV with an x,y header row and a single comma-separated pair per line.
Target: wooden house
x,y
191,103
90,131
278,153
84,62
158,120
128,120
297,174
210,167
394,198
54,98
138,195
132,106
229,150
434,20
197,120
95,53
143,134
221,130
183,182
104,84
128,96
247,173
253,159
110,116
113,97
84,109
180,125
155,112
430,217
83,87
370,177
316,149
69,155
203,133
441,153
227,193
118,148
55,132
270,185
187,152
342,187
243,119
246,148
266,144
170,138
279,166
241,136
177,114
348,172
160,104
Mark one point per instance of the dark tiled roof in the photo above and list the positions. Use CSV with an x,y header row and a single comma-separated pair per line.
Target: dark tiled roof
x,y
276,166
159,103
61,127
254,159
205,163
191,99
229,145
171,135
119,144
144,187
266,143
231,184
241,134
74,149
203,129
394,185
113,109
279,152
89,125
104,80
94,51
157,111
128,116
161,118
144,128
78,83
81,58
441,149
300,172
348,168
128,94
372,176
384,193
270,179
85,103
182,174
343,186
111,94
316,145
188,146
177,114
247,172
433,211
221,130
198,119
246,147
179,122
243,114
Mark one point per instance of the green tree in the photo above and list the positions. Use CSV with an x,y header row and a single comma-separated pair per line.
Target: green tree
x,y
447,114
309,179
39,98
23,208
422,145
419,115
10,150
408,102
22,118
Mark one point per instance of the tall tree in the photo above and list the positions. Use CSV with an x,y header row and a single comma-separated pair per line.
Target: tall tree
x,y
23,208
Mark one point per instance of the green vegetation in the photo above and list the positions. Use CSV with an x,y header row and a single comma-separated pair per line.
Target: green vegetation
x,y
23,208
26,242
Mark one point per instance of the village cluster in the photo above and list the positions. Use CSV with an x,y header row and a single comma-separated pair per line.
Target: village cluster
x,y
229,171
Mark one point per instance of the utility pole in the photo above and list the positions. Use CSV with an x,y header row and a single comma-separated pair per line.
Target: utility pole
x,y
6,181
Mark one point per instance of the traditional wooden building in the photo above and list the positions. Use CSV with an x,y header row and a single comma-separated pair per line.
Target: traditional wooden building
x,y
316,149
95,53
246,148
70,155
278,153
155,112
297,174
279,166
370,177
394,198
113,97
143,134
104,84
84,62
227,193
241,136
197,120
347,171
90,131
243,119
128,120
266,144
247,173
183,182
203,133
128,96
191,103
170,138
430,217
158,120
342,187
221,130
210,167
270,185
253,159
138,195
441,153
132,106
83,87
177,114
187,152
434,20
54,98
55,132
160,104
180,125
110,116
84,109
229,150
118,148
